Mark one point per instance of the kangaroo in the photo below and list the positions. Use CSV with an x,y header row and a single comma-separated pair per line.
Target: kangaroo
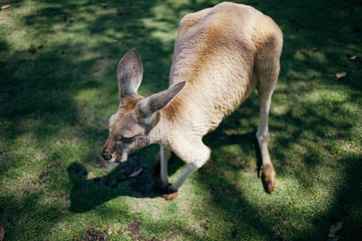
x,y
221,53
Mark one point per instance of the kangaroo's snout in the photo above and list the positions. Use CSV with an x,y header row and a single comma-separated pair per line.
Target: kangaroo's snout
x,y
106,155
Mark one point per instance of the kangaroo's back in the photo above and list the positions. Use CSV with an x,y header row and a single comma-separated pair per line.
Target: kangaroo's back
x,y
214,53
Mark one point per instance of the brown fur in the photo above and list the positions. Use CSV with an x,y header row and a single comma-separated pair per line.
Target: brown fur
x,y
214,39
172,109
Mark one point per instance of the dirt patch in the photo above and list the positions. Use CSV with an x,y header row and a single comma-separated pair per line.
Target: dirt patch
x,y
93,234
134,229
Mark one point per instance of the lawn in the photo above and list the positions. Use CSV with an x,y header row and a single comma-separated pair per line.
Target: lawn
x,y
58,88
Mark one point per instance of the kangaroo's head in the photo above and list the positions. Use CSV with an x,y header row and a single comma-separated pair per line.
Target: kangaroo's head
x,y
130,126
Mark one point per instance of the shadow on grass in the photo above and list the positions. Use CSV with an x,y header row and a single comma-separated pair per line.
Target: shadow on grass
x,y
86,194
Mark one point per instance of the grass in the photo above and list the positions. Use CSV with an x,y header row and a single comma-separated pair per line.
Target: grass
x,y
57,75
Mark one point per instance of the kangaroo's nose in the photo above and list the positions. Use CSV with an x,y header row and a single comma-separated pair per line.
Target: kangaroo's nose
x,y
106,155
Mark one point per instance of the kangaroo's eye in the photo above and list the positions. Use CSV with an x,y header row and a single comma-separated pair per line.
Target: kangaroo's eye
x,y
127,139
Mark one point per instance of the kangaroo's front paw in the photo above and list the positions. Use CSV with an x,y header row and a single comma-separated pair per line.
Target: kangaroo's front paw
x,y
170,197
268,178
169,193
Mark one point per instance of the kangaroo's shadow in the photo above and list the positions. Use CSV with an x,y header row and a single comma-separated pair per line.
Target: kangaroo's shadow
x,y
87,193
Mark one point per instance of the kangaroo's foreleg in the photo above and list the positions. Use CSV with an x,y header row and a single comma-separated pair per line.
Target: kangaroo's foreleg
x,y
196,155
165,155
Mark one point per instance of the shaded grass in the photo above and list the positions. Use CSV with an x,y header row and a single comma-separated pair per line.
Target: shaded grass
x,y
57,74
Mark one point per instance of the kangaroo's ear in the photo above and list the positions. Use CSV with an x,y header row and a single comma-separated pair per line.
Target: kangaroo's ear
x,y
156,102
129,73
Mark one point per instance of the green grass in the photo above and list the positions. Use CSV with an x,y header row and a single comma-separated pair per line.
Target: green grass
x,y
58,88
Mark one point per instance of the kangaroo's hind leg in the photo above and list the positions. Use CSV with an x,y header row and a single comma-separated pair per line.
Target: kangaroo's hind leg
x,y
267,68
